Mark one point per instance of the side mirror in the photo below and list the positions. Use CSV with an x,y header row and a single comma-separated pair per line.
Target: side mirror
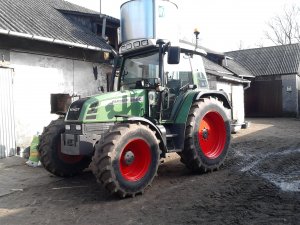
x,y
174,55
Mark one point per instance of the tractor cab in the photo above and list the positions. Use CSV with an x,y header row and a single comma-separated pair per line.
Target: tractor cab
x,y
182,71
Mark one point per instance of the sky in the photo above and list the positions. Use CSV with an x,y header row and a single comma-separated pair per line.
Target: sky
x,y
225,25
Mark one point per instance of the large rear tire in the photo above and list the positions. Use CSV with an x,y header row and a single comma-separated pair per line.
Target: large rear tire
x,y
207,136
51,156
127,159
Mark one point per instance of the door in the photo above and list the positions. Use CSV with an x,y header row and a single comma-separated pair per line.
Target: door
x,y
7,120
264,98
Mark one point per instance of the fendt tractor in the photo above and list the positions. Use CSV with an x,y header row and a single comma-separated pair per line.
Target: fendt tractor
x,y
160,104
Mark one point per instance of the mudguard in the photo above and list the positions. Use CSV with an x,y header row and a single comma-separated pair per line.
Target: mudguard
x,y
182,108
160,129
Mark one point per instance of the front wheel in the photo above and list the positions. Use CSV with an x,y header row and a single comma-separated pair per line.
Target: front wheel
x,y
51,156
127,160
207,136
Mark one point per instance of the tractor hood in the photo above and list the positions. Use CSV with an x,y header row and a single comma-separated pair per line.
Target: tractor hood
x,y
106,107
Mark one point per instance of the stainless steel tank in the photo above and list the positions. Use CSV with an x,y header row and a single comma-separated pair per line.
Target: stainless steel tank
x,y
149,19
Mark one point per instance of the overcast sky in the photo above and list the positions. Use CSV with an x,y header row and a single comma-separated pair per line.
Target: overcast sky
x,y
223,24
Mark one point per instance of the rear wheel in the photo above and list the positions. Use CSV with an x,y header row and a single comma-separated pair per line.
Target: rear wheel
x,y
51,156
127,159
207,136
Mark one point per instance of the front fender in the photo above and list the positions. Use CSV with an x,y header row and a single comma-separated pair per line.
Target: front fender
x,y
160,130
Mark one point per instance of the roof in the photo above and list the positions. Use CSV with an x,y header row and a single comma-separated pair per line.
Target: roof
x,y
275,60
65,6
217,70
236,68
42,20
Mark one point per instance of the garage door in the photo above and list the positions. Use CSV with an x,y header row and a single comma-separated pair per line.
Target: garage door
x,y
7,121
264,99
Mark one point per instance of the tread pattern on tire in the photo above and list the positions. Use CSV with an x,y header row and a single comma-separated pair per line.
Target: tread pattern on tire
x,y
189,155
105,154
48,154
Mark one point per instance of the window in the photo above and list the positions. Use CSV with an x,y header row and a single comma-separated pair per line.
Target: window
x,y
199,74
178,75
140,69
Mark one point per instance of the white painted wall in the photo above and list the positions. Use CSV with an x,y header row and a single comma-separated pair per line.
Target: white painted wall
x,y
36,77
226,87
235,93
238,106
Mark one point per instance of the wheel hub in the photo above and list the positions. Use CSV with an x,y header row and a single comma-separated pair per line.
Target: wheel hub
x,y
128,157
205,134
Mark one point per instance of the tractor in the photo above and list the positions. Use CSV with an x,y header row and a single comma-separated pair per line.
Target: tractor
x,y
161,104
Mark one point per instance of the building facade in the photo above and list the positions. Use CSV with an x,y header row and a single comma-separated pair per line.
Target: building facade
x,y
275,90
44,50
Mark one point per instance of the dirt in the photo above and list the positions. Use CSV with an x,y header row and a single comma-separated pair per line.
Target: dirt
x,y
259,184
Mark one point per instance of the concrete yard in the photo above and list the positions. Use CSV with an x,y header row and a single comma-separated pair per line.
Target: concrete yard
x,y
259,184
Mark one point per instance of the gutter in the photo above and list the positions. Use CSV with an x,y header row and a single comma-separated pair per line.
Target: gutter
x,y
234,79
52,40
247,82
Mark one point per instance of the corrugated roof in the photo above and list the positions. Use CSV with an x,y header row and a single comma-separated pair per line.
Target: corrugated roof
x,y
72,8
275,60
221,72
236,68
40,19
215,68
65,5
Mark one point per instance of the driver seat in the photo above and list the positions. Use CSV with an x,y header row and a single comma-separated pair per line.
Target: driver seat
x,y
174,86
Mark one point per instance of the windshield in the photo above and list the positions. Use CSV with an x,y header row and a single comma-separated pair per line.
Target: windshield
x,y
140,71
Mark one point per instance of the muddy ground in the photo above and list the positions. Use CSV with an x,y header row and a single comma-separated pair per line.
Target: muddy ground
x,y
259,184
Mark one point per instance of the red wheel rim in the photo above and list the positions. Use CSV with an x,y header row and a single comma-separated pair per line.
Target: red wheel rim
x,y
69,159
136,167
212,135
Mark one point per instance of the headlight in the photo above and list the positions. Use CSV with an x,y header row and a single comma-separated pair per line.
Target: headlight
x,y
68,127
78,127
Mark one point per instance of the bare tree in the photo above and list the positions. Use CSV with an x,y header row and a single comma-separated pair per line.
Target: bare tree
x,y
285,28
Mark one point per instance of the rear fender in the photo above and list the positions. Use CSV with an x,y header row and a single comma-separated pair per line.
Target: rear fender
x,y
220,95
183,109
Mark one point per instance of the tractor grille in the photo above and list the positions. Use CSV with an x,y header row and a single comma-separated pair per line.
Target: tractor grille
x,y
90,128
75,109
97,128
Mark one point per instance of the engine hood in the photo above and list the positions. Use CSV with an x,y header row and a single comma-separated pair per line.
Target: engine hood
x,y
105,107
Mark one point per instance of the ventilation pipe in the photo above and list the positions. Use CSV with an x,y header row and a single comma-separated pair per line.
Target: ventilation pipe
x,y
103,22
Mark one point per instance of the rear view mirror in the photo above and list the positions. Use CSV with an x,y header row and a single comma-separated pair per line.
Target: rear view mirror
x,y
173,55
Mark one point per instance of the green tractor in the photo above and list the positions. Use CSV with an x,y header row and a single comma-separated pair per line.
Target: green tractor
x,y
161,104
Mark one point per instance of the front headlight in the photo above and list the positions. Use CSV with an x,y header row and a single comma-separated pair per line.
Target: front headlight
x,y
68,127
78,127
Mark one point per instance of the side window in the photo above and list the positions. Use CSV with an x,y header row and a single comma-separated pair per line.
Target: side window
x,y
199,75
178,75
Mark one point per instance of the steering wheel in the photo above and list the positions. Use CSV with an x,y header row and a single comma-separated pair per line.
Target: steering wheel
x,y
184,87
